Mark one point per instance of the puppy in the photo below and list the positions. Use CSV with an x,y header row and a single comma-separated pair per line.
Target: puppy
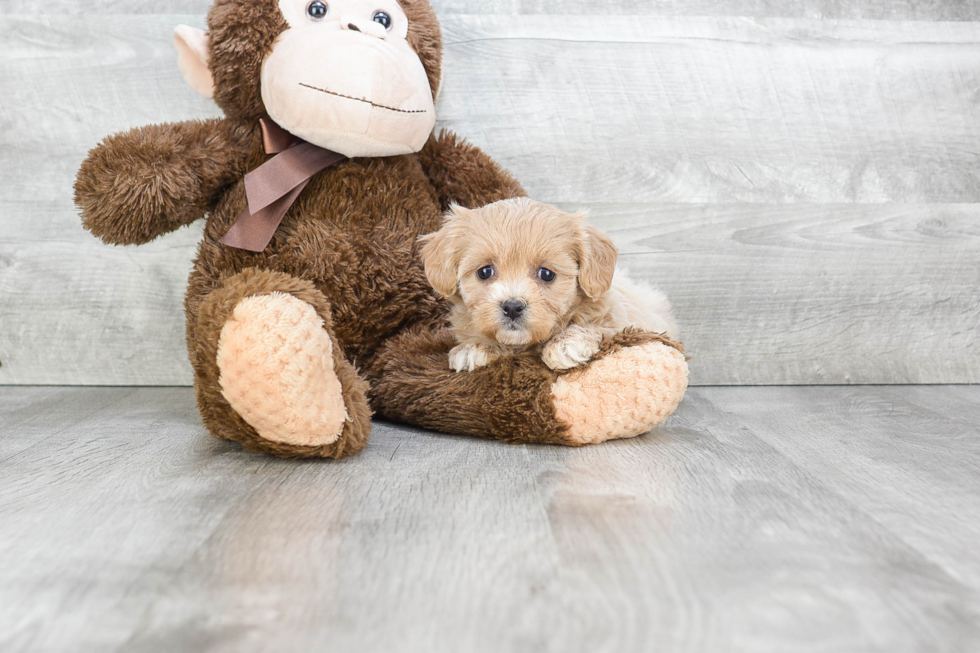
x,y
523,275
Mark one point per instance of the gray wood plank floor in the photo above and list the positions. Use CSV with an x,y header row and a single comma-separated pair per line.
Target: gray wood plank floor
x,y
775,519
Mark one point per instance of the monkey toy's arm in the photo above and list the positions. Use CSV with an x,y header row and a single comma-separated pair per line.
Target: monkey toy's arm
x,y
143,183
461,173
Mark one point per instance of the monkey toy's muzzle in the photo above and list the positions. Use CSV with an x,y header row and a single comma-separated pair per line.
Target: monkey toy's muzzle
x,y
349,92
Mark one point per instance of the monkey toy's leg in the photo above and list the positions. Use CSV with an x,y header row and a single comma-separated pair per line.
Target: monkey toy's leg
x,y
268,371
634,383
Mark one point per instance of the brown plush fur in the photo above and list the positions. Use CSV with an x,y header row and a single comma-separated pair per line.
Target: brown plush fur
x,y
510,400
347,246
218,416
147,182
460,173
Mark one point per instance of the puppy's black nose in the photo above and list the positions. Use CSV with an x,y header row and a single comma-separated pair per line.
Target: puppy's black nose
x,y
513,308
352,26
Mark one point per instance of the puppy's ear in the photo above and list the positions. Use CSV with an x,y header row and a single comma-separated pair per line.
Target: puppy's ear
x,y
440,253
597,262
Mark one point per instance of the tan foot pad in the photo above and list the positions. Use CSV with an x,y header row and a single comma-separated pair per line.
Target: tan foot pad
x,y
277,371
621,395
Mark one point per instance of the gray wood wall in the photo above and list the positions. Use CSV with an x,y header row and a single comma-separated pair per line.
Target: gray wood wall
x,y
801,176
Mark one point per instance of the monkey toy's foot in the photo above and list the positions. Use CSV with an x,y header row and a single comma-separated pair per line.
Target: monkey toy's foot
x,y
270,373
633,383
623,393
277,371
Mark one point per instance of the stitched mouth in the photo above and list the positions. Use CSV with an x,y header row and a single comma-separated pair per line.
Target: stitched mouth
x,y
359,99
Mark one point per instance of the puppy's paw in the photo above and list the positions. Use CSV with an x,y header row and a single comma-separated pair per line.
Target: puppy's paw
x,y
468,357
571,348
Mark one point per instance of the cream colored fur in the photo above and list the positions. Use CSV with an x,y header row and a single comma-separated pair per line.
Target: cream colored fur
x,y
191,44
276,364
565,320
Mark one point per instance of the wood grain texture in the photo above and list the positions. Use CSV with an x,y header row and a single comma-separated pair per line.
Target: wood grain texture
x,y
758,520
596,109
804,189
909,457
930,10
830,293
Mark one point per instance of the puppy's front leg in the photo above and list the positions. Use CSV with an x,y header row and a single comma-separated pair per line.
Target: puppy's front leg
x,y
468,356
572,347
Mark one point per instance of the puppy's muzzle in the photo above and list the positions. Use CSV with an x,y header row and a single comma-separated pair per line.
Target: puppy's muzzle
x,y
513,309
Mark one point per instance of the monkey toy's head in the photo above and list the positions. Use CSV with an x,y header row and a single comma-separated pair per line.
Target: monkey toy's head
x,y
358,77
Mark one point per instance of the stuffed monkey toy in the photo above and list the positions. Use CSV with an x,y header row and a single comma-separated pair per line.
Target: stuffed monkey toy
x,y
308,306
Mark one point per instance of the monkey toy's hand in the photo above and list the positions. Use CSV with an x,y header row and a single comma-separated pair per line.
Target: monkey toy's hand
x,y
143,183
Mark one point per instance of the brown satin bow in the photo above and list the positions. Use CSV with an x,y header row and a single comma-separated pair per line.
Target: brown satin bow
x,y
273,187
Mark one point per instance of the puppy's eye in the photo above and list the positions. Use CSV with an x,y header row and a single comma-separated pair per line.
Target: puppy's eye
x,y
546,275
382,18
485,272
317,10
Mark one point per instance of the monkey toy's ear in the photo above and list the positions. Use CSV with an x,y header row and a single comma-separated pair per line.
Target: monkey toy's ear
x,y
192,58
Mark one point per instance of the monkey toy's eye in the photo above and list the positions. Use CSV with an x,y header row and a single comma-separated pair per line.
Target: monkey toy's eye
x,y
485,272
382,18
317,10
546,275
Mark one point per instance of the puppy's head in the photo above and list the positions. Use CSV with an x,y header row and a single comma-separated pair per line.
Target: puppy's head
x,y
519,267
